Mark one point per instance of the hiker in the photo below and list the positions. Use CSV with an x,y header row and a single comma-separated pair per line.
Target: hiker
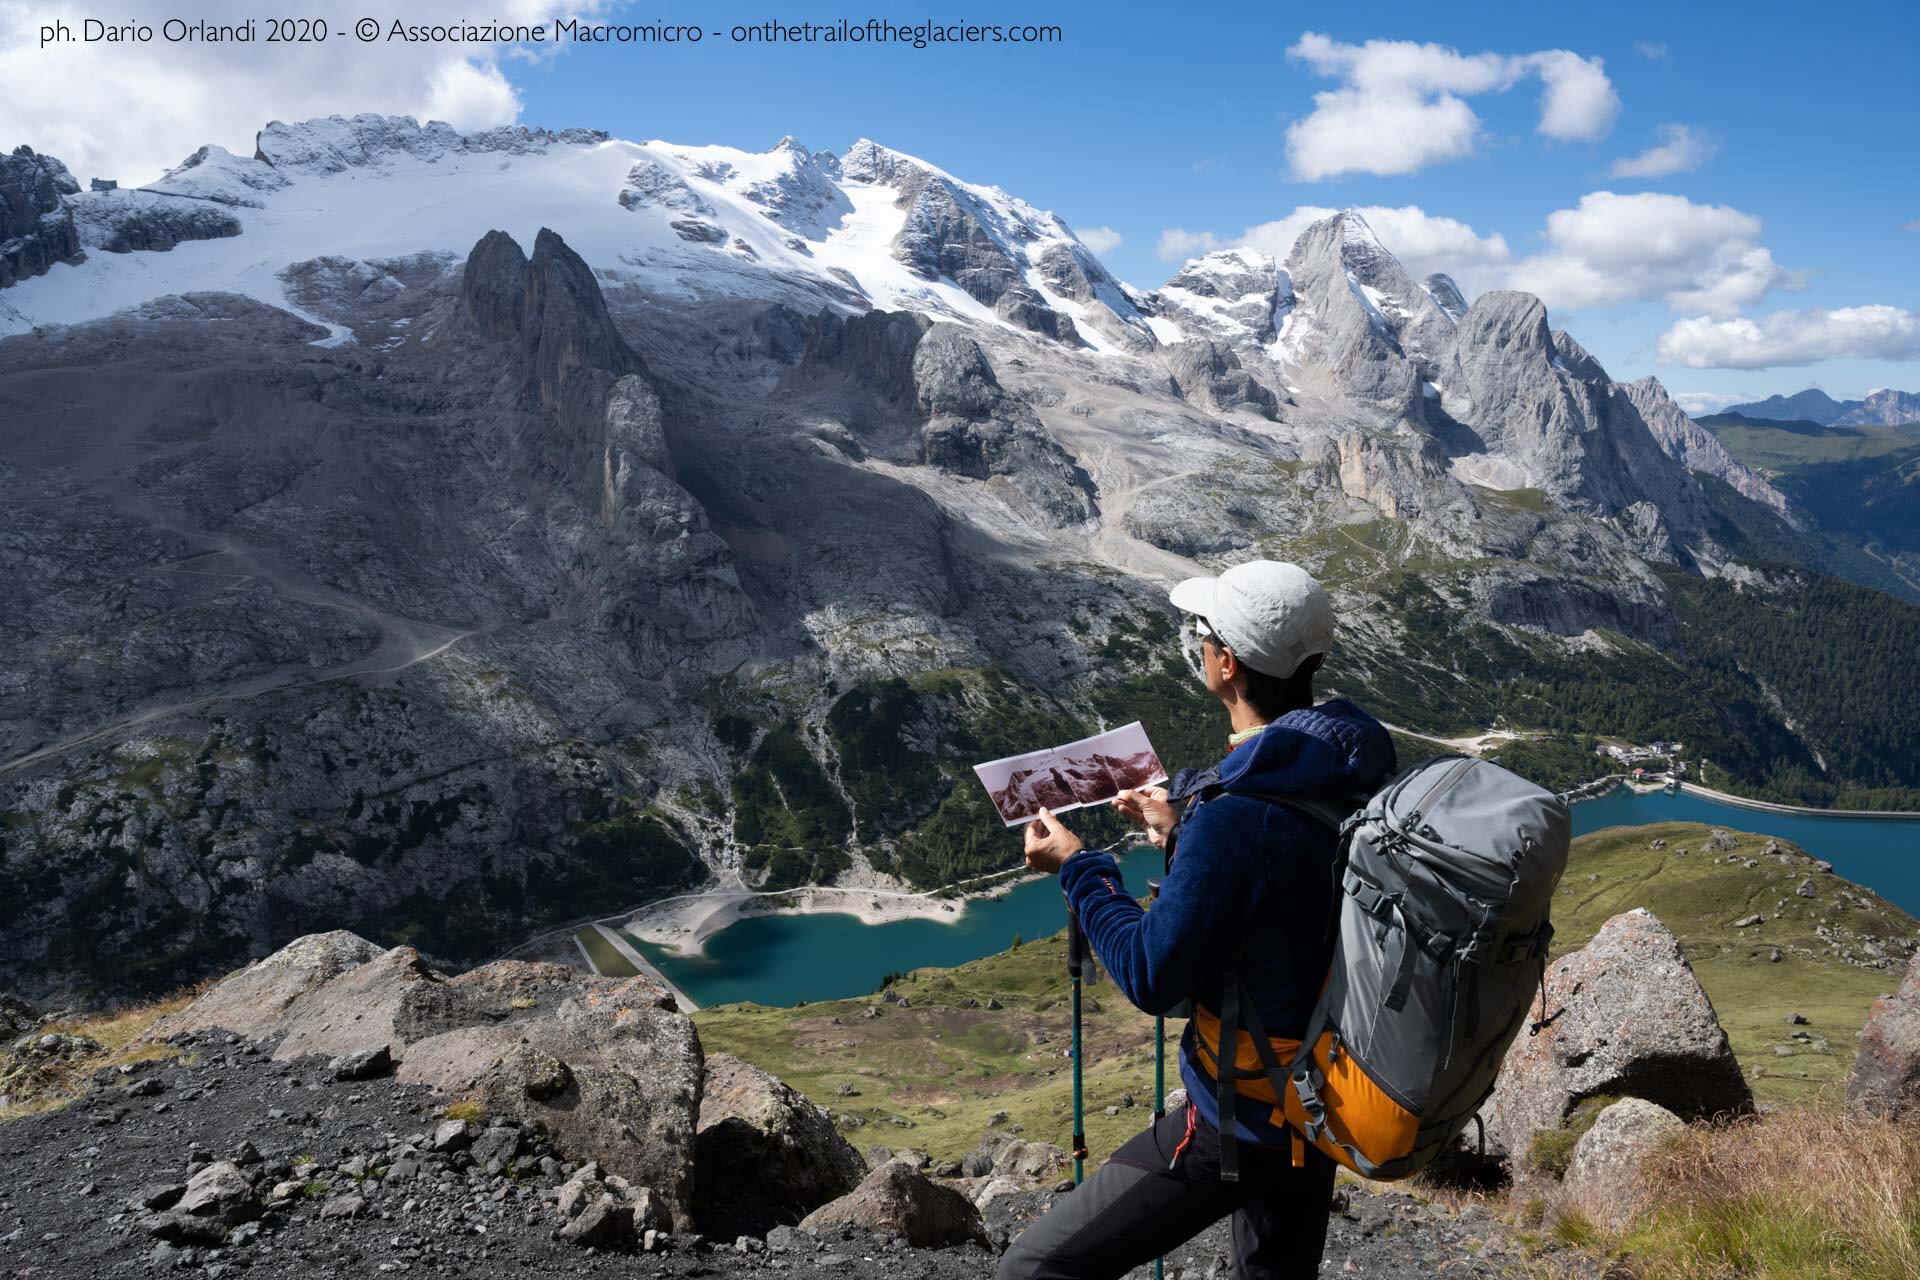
x,y
1248,888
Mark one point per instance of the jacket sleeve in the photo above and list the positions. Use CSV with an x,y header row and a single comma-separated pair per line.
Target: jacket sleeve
x,y
1160,957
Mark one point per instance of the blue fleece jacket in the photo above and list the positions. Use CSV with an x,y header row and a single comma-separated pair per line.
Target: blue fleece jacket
x,y
1248,877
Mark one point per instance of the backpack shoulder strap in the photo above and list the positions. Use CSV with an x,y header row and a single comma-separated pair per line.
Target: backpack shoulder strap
x,y
1331,812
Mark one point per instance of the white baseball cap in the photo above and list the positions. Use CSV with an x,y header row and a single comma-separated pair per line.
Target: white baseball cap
x,y
1273,615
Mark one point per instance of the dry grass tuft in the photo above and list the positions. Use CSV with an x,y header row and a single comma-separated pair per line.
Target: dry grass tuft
x,y
119,1035
1805,1193
465,1109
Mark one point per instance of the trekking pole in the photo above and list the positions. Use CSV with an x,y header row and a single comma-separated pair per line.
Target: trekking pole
x,y
1159,1065
1076,959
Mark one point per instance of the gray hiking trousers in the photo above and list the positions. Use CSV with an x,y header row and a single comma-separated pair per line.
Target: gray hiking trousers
x,y
1163,1188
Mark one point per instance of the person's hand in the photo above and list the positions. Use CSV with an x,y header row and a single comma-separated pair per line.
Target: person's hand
x,y
1049,844
1148,808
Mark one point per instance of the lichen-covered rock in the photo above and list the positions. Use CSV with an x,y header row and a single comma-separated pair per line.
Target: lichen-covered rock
x,y
1604,1174
897,1197
1624,1015
765,1155
1886,1069
256,998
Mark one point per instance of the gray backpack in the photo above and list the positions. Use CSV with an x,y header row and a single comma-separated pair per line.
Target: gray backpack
x,y
1445,879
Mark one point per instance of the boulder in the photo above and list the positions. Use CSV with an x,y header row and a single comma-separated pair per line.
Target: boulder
x,y
1603,1175
253,1001
764,1156
1005,1156
217,1190
898,1198
364,1065
608,1067
1886,1070
1624,1015
17,1017
607,1223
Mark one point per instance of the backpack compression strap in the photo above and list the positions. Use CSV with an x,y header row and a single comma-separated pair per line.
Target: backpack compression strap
x,y
1338,816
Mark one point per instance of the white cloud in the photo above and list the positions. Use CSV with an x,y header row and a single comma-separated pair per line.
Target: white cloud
x,y
1100,239
1793,338
1911,226
1699,402
1653,50
1402,106
1613,248
128,111
1579,104
1178,244
1682,149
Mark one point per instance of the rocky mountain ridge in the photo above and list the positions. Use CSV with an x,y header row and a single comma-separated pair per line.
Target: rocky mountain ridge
x,y
454,590
1883,406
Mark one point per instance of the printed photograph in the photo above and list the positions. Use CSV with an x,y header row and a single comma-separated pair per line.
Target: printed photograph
x,y
1124,755
1087,772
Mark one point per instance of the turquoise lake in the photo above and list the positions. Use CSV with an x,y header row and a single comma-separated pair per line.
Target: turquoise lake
x,y
782,959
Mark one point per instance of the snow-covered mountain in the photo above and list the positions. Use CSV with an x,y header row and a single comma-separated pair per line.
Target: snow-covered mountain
x,y
453,532
872,229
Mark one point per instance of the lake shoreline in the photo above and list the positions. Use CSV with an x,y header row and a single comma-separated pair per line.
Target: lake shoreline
x,y
1770,806
1582,795
682,925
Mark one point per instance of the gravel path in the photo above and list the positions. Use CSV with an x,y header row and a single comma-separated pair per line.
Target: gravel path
x,y
363,1179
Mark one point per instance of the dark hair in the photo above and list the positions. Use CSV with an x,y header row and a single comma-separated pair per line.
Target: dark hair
x,y
1273,696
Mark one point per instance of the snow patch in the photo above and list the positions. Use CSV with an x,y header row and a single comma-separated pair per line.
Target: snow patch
x,y
1488,471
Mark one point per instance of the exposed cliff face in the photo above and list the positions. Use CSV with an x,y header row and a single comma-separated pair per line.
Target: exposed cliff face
x,y
974,428
135,222
1538,402
1696,449
1210,374
36,229
1360,330
589,447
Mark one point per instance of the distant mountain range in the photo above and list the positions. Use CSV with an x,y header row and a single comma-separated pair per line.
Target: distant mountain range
x,y
1883,407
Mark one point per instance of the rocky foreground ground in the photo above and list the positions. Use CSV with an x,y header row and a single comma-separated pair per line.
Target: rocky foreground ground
x,y
227,1162
339,1110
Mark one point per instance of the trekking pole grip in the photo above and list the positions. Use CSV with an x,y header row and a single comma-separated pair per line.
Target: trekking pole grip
x,y
1076,945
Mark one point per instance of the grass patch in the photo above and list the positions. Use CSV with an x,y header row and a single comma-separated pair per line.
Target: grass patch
x,y
946,1065
1551,1151
120,1035
606,957
465,1109
1699,894
1805,1194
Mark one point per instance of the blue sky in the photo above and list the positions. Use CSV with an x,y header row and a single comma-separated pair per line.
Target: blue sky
x,y
1790,135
